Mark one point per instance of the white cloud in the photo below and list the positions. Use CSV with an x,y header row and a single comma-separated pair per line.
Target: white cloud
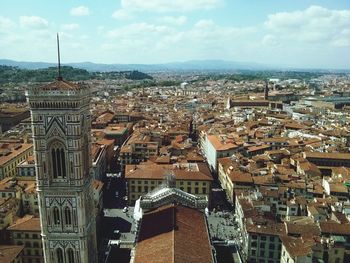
x,y
80,11
169,6
70,26
270,40
149,41
6,24
314,25
139,31
34,22
173,20
122,14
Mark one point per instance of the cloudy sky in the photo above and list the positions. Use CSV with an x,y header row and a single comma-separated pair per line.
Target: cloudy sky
x,y
298,33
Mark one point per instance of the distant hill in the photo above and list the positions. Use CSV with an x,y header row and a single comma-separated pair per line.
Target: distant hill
x,y
220,66
193,65
15,74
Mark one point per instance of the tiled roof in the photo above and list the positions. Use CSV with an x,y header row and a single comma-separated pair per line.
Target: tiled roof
x,y
297,247
196,171
27,223
181,235
10,151
322,155
9,253
61,85
335,228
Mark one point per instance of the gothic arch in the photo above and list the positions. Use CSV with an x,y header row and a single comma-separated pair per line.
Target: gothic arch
x,y
59,255
58,157
86,154
70,257
56,215
68,216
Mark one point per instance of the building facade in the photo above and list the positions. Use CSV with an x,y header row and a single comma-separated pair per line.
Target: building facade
x,y
193,178
61,126
26,232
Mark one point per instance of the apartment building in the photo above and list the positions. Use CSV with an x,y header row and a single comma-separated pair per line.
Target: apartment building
x,y
11,116
11,154
325,161
26,168
8,212
263,243
140,147
231,178
26,231
11,254
219,146
194,178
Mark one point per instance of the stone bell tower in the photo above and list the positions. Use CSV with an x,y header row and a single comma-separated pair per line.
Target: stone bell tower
x,y
61,126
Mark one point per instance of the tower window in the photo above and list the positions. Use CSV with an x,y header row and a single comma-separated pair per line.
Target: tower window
x,y
86,156
58,160
56,216
67,215
70,255
59,255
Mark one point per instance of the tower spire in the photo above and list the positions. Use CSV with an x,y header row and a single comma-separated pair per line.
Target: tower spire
x,y
59,76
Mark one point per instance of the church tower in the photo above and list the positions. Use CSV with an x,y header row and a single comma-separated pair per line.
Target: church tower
x,y
61,125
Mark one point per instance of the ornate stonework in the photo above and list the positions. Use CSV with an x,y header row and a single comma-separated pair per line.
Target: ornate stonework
x,y
61,132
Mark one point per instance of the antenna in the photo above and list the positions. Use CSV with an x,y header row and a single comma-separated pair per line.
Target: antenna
x,y
59,77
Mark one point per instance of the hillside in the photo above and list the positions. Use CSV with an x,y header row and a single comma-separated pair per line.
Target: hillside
x,y
9,74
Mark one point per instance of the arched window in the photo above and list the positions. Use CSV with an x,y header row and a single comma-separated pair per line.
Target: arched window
x,y
70,255
59,255
67,216
58,160
56,216
86,156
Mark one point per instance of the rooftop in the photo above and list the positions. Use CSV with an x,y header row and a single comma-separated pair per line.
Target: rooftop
x,y
181,236
9,253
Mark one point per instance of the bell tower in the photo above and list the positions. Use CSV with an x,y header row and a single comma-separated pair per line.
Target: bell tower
x,y
61,126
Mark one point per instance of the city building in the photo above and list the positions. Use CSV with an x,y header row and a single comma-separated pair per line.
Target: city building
x,y
11,154
11,116
193,178
11,254
61,131
26,232
26,169
219,146
181,235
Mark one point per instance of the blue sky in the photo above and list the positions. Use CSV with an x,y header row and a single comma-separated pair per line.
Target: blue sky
x,y
298,33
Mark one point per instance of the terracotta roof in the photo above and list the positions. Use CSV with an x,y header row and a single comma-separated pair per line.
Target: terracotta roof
x,y
181,235
258,147
335,228
240,177
8,151
338,188
105,118
27,223
9,253
221,145
322,155
185,171
302,229
297,247
271,228
163,159
61,85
